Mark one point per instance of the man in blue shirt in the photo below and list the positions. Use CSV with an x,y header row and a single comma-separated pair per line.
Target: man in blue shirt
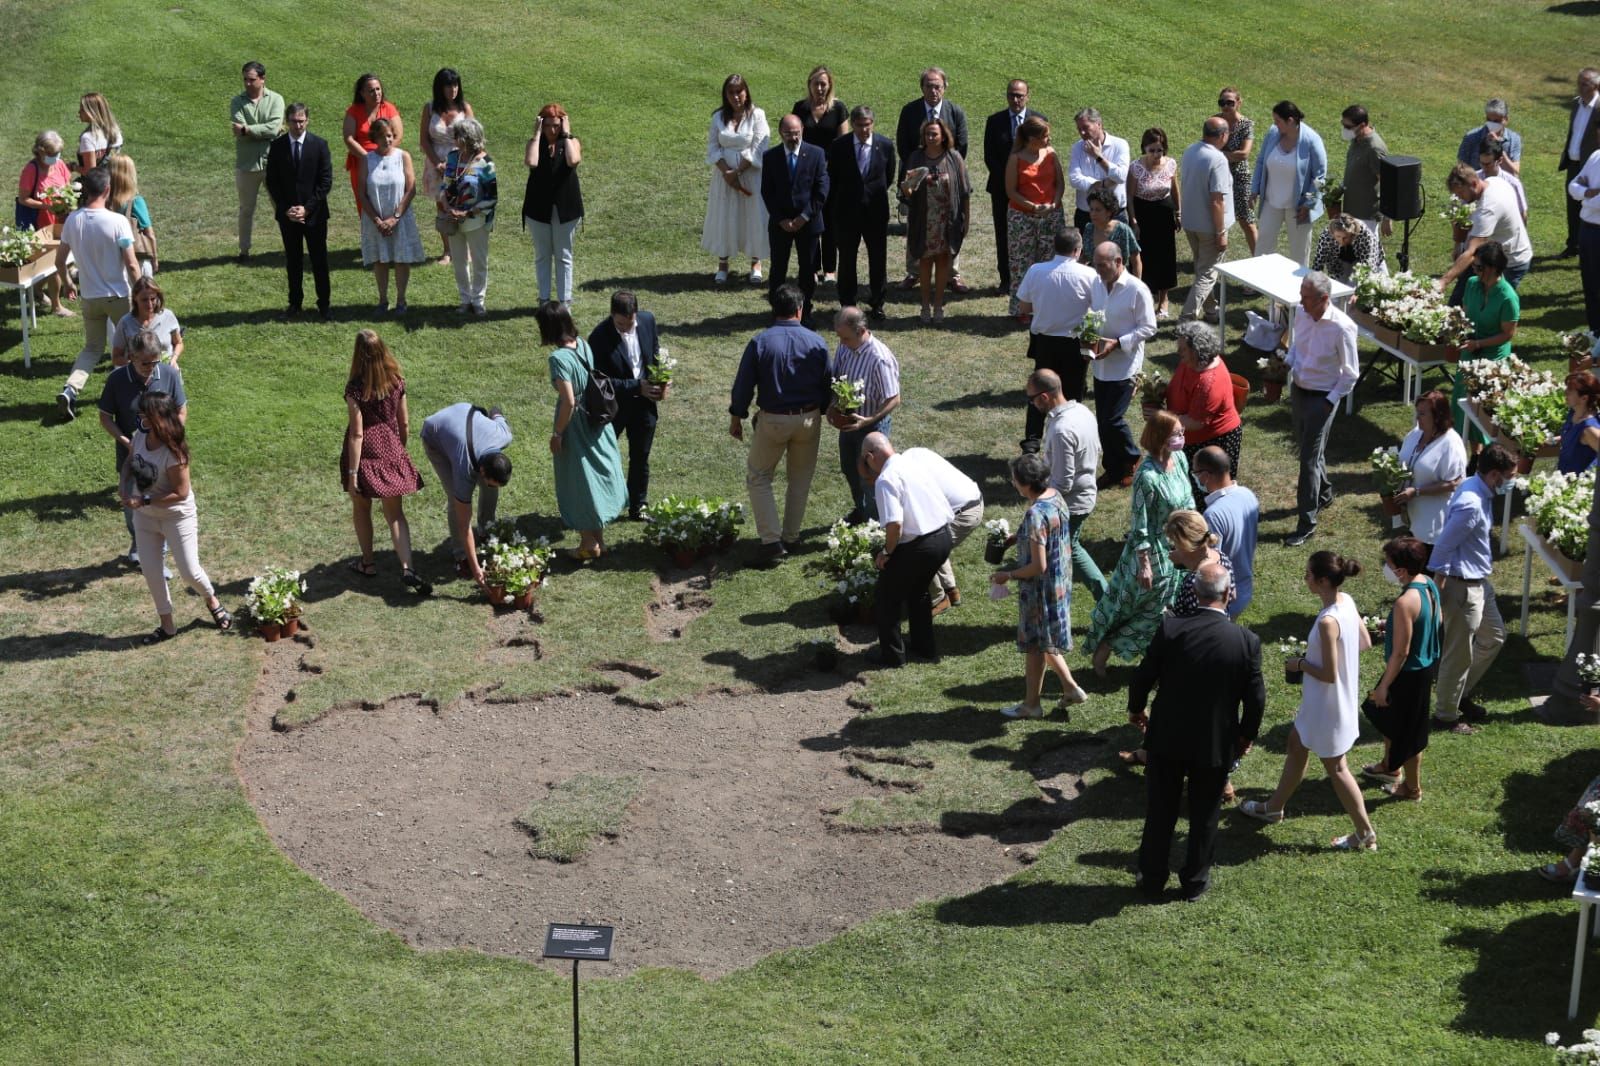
x,y
466,446
1462,562
785,370
1233,513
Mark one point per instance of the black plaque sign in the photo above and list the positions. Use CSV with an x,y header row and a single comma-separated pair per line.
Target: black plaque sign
x,y
584,943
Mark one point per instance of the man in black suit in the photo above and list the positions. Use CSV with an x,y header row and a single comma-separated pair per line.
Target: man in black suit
x,y
861,165
626,345
1582,140
999,134
299,175
908,138
1204,667
794,186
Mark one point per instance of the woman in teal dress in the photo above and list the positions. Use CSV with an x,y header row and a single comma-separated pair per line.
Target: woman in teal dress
x,y
590,487
1494,308
1145,581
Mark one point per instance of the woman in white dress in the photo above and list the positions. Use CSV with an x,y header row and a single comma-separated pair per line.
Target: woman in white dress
x,y
736,219
1437,457
1327,723
388,225
448,104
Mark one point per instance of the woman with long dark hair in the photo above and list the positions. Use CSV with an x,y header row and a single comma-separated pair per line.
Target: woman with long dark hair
x,y
448,104
375,463
590,487
1398,704
155,487
369,105
736,219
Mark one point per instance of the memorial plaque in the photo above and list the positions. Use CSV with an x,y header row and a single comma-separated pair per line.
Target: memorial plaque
x,y
585,943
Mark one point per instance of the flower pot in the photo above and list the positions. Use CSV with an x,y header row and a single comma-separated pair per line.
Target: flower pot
x,y
1571,569
1273,390
291,626
1591,880
704,550
1335,208
994,552
1391,506
496,594
55,230
523,600
1241,391
865,613
270,631
724,542
1293,677
682,557
1524,464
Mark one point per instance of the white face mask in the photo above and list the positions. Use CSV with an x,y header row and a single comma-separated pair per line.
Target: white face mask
x,y
52,160
1347,133
1175,442
1494,127
1389,575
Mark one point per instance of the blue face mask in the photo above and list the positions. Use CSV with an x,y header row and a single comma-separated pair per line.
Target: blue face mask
x,y
52,160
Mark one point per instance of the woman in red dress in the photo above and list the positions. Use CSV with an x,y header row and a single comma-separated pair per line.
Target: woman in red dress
x,y
369,105
375,463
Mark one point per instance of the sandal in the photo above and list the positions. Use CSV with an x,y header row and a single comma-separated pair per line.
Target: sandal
x,y
1401,791
220,615
1022,710
156,637
364,568
1227,793
1367,841
1377,772
1138,757
415,583
1560,873
583,555
1258,810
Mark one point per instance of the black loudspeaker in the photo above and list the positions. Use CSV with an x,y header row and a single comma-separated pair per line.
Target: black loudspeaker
x,y
1400,187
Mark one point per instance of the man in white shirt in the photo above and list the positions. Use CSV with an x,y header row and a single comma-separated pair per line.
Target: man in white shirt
x,y
916,522
1583,138
1118,355
1096,156
1206,185
1072,448
101,242
1323,360
1057,293
1498,217
966,501
1584,190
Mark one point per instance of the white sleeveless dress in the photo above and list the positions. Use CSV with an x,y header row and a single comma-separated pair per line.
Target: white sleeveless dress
x,y
1328,721
736,224
386,185
439,137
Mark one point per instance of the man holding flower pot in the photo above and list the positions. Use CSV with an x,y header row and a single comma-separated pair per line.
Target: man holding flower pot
x,y
1118,352
627,349
873,376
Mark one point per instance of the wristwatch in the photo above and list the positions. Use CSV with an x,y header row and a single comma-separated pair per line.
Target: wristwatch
x,y
144,500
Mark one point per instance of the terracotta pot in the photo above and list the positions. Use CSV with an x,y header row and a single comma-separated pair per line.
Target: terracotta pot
x,y
496,594
1335,208
291,626
270,631
704,550
725,542
1391,506
1273,390
523,600
1241,391
55,230
1524,464
865,613
682,557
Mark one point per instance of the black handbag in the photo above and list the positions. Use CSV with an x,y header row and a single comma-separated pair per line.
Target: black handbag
x,y
599,400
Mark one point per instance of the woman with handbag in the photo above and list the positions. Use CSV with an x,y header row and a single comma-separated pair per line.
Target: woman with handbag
x,y
466,213
44,170
590,487
125,198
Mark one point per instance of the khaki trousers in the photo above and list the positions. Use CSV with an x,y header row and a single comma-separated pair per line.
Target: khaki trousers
x,y
99,314
1470,637
792,439
1206,257
247,183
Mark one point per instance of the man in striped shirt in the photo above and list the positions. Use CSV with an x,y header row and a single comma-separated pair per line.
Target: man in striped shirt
x,y
863,359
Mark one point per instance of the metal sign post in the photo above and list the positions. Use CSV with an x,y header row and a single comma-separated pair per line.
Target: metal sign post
x,y
577,942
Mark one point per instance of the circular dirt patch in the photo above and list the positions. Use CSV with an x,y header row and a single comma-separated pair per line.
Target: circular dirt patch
x,y
726,853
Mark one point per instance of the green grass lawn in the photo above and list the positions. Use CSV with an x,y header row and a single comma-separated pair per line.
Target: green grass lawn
x,y
145,915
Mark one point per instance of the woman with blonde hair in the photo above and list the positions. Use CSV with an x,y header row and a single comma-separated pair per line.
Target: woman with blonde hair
x,y
102,136
45,169
375,463
823,119
125,199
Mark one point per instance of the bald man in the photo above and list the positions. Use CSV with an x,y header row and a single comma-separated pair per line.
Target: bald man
x,y
1117,356
916,519
794,186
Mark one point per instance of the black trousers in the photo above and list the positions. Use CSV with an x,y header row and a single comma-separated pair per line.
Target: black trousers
x,y
998,202
1065,357
638,423
1164,778
299,240
804,247
903,588
850,233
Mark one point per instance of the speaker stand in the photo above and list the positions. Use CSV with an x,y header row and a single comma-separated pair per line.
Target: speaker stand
x,y
1405,245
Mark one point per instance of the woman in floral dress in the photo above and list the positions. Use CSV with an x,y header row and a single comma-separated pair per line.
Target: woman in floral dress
x,y
1241,138
1044,586
1145,580
940,192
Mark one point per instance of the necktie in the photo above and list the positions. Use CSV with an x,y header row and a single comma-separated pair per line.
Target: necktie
x,y
863,156
296,145
792,161
1016,124
933,113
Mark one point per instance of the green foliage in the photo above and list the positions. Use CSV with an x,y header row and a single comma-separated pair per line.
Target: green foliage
x,y
577,811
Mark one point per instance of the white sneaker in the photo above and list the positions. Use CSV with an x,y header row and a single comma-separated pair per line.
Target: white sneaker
x,y
1022,710
133,556
756,277
1074,695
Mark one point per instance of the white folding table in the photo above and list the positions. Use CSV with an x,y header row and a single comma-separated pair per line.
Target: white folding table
x,y
1536,543
1587,898
1278,278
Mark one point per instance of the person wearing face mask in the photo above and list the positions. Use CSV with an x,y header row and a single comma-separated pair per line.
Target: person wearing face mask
x,y
44,169
1462,561
1323,359
1398,703
1145,580
1495,113
1117,356
1492,164
1361,161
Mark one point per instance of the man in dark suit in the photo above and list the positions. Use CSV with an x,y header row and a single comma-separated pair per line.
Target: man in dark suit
x,y
625,347
908,138
1581,141
861,165
794,186
999,134
299,175
1204,667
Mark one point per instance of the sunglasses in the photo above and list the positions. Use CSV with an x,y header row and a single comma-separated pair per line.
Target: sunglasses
x,y
1227,103
1015,96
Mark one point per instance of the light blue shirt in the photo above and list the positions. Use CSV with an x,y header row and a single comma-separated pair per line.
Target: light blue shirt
x,y
1463,548
1233,514
1310,165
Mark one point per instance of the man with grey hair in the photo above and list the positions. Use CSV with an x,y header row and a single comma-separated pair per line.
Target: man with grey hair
x,y
1207,189
1096,156
1495,114
916,524
1072,448
864,359
1117,356
1056,294
908,138
1323,360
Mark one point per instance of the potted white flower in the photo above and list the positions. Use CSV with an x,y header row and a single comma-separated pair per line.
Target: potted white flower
x,y
273,600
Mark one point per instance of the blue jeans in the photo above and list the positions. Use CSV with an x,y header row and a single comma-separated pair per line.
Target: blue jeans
x,y
1118,454
552,245
1083,564
861,498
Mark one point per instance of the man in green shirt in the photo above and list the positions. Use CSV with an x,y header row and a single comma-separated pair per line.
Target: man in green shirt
x,y
257,120
1361,170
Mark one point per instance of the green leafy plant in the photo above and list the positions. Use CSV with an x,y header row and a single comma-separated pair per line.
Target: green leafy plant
x,y
517,564
848,560
685,523
1388,471
1559,504
274,595
19,247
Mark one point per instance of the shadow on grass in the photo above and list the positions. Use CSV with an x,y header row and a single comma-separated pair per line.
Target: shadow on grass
x,y
646,285
999,399
1040,903
23,648
63,506
41,370
1488,890
42,413
1494,1006
40,585
787,671
1535,802
957,725
338,259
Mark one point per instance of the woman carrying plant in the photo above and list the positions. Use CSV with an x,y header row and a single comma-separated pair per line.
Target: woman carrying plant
x,y
590,487
1580,434
375,463
1398,704
1044,587
46,170
1437,458
155,487
1327,721
149,315
1493,308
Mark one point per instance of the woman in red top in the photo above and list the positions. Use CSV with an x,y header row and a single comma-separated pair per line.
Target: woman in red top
x,y
45,169
1034,184
1201,395
369,106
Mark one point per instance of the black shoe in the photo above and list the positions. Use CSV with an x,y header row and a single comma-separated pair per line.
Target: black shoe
x,y
876,313
1472,712
325,314
772,553
66,403
1299,537
884,659
1029,445
1193,894
1568,252
289,314
636,514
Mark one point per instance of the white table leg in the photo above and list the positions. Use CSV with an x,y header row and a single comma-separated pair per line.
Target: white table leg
x,y
1505,524
1222,310
1577,961
1572,620
25,296
1527,583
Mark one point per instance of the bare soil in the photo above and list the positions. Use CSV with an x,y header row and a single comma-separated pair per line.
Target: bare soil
x,y
407,809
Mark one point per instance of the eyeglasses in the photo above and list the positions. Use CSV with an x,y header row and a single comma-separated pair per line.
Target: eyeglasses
x,y
1016,96
1227,103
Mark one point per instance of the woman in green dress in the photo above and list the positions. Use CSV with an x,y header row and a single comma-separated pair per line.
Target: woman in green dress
x,y
1145,580
1494,308
590,487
